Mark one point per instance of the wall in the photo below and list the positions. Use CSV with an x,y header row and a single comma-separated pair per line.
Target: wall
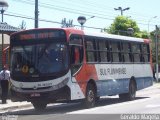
x,y
6,43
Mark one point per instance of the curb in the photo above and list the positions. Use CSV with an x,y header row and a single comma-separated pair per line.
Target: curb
x,y
156,84
15,107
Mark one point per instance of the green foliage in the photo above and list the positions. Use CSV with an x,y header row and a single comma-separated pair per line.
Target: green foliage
x,y
144,34
121,25
152,35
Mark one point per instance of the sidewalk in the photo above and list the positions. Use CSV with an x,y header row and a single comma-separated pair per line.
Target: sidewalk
x,y
13,105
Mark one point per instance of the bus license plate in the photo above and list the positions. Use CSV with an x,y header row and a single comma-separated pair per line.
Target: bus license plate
x,y
35,95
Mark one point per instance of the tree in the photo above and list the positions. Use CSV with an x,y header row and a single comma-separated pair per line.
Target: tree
x,y
144,34
22,26
121,25
66,23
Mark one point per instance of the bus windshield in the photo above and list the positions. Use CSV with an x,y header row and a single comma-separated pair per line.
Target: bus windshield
x,y
43,58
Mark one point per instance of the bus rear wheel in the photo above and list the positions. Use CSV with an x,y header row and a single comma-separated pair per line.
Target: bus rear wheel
x,y
131,94
90,96
39,106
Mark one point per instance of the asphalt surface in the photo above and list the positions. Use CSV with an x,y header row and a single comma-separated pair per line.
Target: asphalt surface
x,y
108,108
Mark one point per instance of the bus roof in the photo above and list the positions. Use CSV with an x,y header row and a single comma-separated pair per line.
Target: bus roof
x,y
94,34
120,37
106,35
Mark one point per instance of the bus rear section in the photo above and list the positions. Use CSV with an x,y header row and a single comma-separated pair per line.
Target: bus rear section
x,y
114,65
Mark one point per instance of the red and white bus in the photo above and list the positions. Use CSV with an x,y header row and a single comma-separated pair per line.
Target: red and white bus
x,y
61,65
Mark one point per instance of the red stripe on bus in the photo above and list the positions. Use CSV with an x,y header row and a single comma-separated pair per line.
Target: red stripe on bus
x,y
87,72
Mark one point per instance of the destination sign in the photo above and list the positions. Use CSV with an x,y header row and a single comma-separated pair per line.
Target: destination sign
x,y
40,34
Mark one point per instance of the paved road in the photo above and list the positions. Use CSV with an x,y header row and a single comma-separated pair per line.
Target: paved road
x,y
109,108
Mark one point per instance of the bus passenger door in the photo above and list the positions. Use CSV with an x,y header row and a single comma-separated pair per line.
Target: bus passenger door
x,y
76,53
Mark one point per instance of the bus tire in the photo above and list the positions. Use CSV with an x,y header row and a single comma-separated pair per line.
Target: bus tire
x,y
90,96
132,92
39,106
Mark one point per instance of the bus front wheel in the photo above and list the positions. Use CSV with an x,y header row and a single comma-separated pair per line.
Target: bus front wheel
x,y
90,96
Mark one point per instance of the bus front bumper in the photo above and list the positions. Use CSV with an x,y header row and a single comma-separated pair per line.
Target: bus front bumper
x,y
49,96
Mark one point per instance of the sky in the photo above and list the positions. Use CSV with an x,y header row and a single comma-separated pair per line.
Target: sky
x,y
53,11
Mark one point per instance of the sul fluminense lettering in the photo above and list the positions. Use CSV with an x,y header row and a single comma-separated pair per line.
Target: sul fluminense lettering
x,y
112,71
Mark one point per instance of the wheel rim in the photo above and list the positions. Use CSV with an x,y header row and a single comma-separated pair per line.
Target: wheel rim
x,y
132,90
90,96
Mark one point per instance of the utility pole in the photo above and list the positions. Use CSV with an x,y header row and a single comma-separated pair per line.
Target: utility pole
x,y
120,8
36,13
157,74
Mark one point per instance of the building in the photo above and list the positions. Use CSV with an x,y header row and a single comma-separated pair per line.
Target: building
x,y
6,30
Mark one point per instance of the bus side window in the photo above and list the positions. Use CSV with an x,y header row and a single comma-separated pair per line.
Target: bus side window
x,y
108,51
130,52
104,53
141,53
146,52
126,52
91,52
115,51
136,52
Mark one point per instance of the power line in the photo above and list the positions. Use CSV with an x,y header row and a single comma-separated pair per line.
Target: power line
x,y
69,10
31,18
101,6
44,20
84,5
50,21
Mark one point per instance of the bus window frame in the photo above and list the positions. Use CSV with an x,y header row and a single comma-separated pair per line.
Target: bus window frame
x,y
105,50
94,50
76,64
